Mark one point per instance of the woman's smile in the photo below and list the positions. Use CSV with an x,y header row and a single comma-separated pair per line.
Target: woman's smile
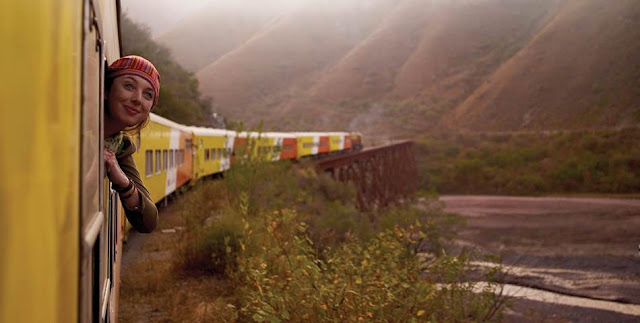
x,y
129,101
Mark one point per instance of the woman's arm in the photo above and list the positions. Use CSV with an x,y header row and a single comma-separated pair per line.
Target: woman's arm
x,y
139,208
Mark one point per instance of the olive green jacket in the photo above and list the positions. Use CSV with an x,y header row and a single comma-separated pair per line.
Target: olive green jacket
x,y
146,218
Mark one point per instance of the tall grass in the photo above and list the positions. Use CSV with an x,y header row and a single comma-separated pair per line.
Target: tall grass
x,y
544,163
292,246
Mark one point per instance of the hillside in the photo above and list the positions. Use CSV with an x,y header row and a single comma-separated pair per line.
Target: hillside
x,y
398,68
582,70
216,29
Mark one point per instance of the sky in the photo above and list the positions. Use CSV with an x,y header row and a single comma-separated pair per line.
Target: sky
x,y
162,15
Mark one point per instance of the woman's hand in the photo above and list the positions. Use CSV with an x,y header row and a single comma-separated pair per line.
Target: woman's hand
x,y
115,174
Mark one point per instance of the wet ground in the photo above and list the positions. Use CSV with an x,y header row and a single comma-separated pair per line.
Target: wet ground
x,y
581,247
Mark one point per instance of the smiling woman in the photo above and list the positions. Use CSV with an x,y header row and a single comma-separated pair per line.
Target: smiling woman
x,y
132,90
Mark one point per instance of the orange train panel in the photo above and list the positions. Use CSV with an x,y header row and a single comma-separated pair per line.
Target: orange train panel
x,y
347,142
289,148
185,170
324,147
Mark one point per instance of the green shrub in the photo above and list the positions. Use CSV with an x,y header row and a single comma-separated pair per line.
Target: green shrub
x,y
378,280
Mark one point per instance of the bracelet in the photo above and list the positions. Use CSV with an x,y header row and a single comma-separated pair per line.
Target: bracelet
x,y
130,194
122,190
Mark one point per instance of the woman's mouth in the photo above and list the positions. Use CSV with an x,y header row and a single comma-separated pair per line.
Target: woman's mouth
x,y
131,111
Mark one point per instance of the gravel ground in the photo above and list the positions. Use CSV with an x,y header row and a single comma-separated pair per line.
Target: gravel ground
x,y
586,247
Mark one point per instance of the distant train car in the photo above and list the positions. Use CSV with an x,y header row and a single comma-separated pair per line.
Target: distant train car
x,y
164,152
339,142
251,144
212,150
285,145
356,141
312,143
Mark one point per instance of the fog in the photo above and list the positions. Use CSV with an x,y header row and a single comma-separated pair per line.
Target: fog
x,y
161,15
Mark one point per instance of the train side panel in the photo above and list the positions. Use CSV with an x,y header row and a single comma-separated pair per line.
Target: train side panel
x,y
308,144
211,148
184,158
39,166
152,158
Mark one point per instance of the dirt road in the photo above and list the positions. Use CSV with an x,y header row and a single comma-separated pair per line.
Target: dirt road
x,y
586,247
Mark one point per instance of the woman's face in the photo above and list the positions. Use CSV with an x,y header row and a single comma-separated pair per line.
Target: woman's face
x,y
129,101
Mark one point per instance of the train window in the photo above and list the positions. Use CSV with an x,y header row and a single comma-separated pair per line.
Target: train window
x,y
172,158
148,162
219,153
188,143
206,154
165,157
213,153
138,140
158,162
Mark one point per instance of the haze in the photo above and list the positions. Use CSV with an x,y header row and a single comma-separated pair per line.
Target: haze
x,y
162,15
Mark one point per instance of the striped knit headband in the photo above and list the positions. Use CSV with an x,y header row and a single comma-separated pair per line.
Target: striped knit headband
x,y
136,65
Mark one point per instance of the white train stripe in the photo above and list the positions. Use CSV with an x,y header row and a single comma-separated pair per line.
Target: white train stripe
x,y
172,169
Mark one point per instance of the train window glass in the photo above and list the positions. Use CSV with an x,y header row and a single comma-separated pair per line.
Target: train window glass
x,y
165,157
148,162
206,154
200,143
172,158
138,140
158,162
219,153
188,144
213,153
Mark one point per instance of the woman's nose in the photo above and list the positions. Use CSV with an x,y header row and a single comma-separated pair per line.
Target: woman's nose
x,y
137,97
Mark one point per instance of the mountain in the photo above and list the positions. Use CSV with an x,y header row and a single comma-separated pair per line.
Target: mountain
x,y
581,71
399,68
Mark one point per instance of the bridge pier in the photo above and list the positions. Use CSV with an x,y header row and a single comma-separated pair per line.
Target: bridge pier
x,y
382,175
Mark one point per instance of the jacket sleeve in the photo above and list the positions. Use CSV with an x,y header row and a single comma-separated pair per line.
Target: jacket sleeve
x,y
145,219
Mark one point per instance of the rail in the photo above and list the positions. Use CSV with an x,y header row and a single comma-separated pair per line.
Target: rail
x,y
382,175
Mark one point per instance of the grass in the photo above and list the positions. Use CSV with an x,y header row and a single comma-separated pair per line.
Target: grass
x,y
276,242
588,162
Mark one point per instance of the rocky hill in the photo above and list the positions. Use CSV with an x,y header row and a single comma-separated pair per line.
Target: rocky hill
x,y
395,68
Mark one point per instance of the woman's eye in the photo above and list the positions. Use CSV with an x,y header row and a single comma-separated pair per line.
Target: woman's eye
x,y
128,86
148,95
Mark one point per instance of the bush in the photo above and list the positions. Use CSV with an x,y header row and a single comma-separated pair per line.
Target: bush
x,y
304,252
378,280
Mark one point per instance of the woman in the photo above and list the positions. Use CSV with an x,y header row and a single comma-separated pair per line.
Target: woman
x,y
131,91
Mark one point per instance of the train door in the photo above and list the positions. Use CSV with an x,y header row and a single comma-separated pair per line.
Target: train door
x,y
99,204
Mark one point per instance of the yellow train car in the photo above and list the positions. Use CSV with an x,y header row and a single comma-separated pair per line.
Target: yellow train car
x,y
312,143
59,231
164,153
339,141
282,145
212,150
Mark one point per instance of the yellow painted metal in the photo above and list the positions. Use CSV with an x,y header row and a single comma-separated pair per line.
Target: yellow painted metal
x,y
39,166
336,142
204,165
307,145
155,137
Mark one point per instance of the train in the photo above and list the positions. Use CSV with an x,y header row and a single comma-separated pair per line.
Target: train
x,y
171,155
61,223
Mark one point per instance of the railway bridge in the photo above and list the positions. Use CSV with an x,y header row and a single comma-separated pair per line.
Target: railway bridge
x,y
383,175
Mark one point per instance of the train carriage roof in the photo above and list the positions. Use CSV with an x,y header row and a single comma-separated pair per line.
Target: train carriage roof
x,y
211,132
166,122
